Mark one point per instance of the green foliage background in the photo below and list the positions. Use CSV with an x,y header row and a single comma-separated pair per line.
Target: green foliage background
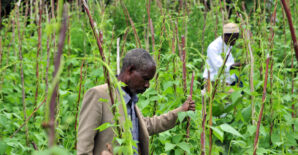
x,y
233,130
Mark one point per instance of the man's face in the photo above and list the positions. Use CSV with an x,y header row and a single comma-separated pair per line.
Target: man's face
x,y
138,81
230,39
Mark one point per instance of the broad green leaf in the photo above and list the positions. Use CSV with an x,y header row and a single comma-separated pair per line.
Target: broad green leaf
x,y
184,146
236,95
177,138
275,139
181,116
217,132
169,146
104,126
239,143
230,129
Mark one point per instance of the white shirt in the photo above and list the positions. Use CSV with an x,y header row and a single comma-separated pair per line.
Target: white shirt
x,y
215,60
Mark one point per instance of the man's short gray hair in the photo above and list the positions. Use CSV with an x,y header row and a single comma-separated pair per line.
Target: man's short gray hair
x,y
139,58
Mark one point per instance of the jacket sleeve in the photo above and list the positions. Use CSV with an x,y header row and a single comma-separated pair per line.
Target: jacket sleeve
x,y
157,124
89,120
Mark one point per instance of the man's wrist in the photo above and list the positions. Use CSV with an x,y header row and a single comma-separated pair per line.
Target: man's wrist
x,y
179,109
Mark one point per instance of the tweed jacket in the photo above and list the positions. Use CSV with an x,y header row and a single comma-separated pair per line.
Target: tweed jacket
x,y
96,110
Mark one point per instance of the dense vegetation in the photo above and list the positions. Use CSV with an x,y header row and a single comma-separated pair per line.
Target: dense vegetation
x,y
29,50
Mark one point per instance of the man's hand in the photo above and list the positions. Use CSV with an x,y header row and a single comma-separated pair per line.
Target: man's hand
x,y
109,151
189,104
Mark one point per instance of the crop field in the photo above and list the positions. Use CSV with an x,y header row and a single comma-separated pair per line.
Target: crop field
x,y
53,51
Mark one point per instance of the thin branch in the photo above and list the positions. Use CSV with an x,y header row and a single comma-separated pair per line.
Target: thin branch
x,y
184,64
38,50
79,99
288,13
48,55
53,101
262,108
138,43
118,56
190,94
21,68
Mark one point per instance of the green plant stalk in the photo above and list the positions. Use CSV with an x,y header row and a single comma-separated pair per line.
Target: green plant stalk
x,y
79,96
183,65
127,124
21,70
293,98
273,20
212,98
190,94
48,53
262,108
38,50
54,20
174,61
54,96
204,24
247,41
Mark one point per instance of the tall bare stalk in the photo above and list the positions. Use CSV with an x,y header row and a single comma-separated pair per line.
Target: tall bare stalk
x,y
21,69
288,13
53,18
53,100
190,94
48,54
293,104
118,56
204,115
79,96
247,41
183,64
271,68
262,108
174,60
40,4
204,25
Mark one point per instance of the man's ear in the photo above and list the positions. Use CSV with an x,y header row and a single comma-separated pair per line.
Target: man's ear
x,y
130,69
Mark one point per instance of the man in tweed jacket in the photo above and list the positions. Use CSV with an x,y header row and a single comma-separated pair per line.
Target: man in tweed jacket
x,y
137,70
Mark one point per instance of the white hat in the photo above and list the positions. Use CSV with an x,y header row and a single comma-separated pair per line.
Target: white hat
x,y
230,28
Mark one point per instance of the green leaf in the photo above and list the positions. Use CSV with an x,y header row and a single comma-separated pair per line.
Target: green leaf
x,y
177,138
239,143
169,146
217,132
3,147
275,139
104,126
120,141
103,100
236,95
230,129
181,116
184,146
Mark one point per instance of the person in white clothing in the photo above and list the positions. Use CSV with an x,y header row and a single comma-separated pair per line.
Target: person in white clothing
x,y
218,50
